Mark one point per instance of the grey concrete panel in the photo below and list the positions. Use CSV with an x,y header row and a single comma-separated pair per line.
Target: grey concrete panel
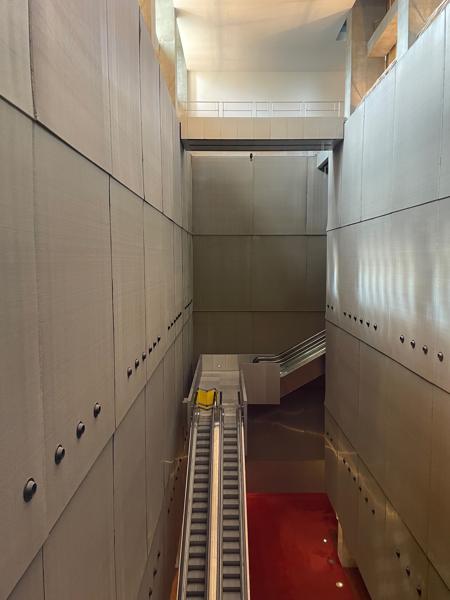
x,y
76,316
222,272
130,507
315,291
69,43
83,534
31,585
222,333
377,169
124,93
408,449
15,68
403,555
439,265
280,184
371,527
439,527
413,250
350,206
418,118
374,397
222,188
151,127
317,198
166,110
154,436
278,273
154,286
275,331
23,525
127,242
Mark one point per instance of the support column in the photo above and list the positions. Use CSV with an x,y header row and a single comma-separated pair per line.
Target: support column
x,y
412,17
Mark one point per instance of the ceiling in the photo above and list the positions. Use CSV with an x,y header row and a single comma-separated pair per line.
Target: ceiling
x,y
262,35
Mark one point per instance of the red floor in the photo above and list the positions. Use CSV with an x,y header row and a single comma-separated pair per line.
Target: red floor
x,y
289,559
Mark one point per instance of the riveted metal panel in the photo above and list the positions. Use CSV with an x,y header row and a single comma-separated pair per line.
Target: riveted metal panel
x,y
222,332
187,191
222,272
23,525
178,278
350,207
437,590
84,532
127,241
317,198
124,93
130,510
377,171
440,273
374,397
154,442
332,309
15,82
169,282
79,110
373,282
439,527
371,526
331,373
316,250
444,171
280,194
408,448
332,447
334,187
177,159
347,255
166,110
222,188
152,584
275,331
413,251
348,494
347,384
151,133
403,556
76,316
154,286
418,118
31,584
278,273
170,421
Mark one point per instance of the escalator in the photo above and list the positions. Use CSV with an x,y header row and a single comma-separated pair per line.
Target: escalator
x,y
299,364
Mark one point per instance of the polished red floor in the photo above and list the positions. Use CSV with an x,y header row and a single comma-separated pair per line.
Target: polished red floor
x,y
289,559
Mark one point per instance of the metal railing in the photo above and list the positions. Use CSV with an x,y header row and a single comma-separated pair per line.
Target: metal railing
x,y
320,108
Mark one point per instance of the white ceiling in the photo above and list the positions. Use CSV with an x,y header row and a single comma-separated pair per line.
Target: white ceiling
x,y
262,35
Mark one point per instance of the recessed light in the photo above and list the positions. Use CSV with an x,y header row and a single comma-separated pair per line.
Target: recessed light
x,y
339,584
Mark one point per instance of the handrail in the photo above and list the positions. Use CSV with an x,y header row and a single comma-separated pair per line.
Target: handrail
x,y
290,351
251,108
245,583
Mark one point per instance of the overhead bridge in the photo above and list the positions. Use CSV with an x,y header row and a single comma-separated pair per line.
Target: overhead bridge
x,y
214,550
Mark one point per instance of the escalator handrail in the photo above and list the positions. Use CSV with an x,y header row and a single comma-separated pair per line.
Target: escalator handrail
x,y
303,352
290,351
303,359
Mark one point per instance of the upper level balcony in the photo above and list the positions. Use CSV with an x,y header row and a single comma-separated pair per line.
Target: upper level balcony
x,y
221,125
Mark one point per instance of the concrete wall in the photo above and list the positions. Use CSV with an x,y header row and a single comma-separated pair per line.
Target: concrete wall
x,y
259,251
388,382
95,270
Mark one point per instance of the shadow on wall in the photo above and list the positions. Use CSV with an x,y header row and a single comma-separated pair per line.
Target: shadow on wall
x,y
285,443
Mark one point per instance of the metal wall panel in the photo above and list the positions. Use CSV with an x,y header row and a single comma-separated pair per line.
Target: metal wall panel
x,y
187,190
439,525
178,278
437,590
377,169
440,268
124,93
127,242
15,69
222,188
331,372
154,286
166,109
222,272
280,184
169,282
406,565
418,118
350,206
75,312
69,43
349,310
278,272
374,398
332,447
316,198
170,421
334,187
222,332
332,309
151,133
84,533
177,158
23,525
444,171
154,442
408,449
31,584
130,509
315,287
274,331
371,533
152,585
413,249
348,494
347,384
